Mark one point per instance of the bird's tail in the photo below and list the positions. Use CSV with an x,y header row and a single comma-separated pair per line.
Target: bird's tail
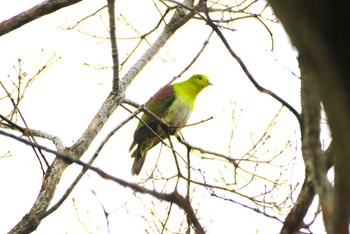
x,y
138,162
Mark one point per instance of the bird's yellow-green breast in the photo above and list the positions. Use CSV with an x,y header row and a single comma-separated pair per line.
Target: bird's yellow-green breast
x,y
189,89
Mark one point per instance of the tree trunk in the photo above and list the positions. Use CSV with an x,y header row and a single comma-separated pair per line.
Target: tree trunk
x,y
319,32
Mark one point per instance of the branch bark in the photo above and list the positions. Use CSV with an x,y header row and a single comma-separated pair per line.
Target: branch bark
x,y
315,162
114,47
294,220
44,8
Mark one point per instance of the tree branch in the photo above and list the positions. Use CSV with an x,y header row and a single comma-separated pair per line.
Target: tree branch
x,y
245,68
180,17
294,219
315,161
34,13
115,58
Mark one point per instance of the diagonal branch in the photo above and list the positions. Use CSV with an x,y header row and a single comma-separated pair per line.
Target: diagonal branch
x,y
295,217
245,68
180,17
34,13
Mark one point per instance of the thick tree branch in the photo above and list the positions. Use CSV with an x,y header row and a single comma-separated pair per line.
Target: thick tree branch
x,y
34,13
315,161
294,220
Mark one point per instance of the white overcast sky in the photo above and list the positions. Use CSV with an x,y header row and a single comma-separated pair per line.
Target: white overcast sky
x,y
64,99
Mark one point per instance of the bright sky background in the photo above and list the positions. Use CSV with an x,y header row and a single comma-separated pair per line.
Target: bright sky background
x,y
67,95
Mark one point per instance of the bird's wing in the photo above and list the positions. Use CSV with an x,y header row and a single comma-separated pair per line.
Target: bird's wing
x,y
161,102
158,106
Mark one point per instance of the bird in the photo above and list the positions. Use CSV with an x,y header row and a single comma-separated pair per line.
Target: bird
x,y
173,105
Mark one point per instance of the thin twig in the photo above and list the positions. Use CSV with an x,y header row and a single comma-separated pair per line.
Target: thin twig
x,y
29,135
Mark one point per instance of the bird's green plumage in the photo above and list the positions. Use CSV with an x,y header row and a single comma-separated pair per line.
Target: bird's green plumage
x,y
173,105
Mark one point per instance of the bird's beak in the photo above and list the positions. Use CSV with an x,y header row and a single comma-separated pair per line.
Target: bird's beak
x,y
210,83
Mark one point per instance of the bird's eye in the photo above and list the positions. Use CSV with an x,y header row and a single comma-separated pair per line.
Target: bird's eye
x,y
200,77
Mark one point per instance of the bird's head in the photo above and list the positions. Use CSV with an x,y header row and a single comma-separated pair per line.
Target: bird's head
x,y
200,81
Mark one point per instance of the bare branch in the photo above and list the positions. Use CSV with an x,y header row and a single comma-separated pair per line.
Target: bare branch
x,y
180,17
83,19
115,58
245,68
34,13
